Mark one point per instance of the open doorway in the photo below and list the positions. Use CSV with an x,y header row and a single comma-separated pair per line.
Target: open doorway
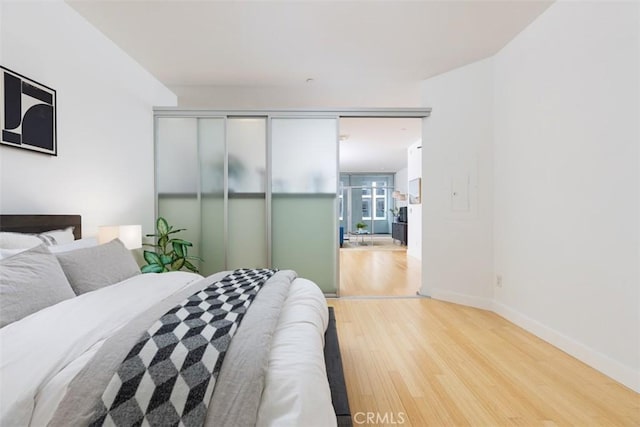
x,y
374,210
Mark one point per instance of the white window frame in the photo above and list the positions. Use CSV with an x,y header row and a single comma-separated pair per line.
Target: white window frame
x,y
377,197
366,198
372,199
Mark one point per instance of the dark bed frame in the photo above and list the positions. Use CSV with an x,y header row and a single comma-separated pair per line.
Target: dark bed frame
x,y
333,360
335,373
41,223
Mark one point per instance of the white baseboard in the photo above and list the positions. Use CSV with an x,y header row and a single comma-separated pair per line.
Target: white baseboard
x,y
611,368
468,300
608,366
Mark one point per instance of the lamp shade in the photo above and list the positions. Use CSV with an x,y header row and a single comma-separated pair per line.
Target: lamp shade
x,y
130,235
397,195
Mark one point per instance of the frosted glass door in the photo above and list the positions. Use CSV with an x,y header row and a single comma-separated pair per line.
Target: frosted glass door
x,y
247,231
304,198
211,148
177,177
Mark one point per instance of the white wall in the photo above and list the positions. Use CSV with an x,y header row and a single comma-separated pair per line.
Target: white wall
x,y
550,128
104,167
1,26
567,185
401,182
300,96
414,211
457,248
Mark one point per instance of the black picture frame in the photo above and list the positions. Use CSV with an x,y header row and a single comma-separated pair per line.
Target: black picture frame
x,y
27,113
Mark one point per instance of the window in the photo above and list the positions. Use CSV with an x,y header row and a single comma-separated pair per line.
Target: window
x,y
381,207
366,208
379,201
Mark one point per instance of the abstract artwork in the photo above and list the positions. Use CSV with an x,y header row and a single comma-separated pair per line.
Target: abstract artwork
x,y
415,189
27,113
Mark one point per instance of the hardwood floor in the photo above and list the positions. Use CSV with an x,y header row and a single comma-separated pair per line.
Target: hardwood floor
x,y
378,273
419,362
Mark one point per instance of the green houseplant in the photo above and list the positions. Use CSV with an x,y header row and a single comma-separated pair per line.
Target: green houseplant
x,y
360,226
171,253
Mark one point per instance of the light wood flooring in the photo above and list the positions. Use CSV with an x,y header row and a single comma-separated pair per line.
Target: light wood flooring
x,y
375,242
426,362
378,273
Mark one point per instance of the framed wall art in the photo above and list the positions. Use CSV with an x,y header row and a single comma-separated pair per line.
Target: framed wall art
x,y
27,113
415,188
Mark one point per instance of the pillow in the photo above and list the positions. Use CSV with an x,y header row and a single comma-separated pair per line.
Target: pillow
x,y
6,253
87,242
30,281
93,268
57,237
10,240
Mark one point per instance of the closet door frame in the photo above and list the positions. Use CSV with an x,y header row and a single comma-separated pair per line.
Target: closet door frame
x,y
269,114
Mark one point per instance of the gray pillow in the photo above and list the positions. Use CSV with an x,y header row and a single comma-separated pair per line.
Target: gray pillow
x,y
30,281
93,268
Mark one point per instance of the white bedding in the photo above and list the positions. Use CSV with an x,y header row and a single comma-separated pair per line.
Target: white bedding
x,y
41,354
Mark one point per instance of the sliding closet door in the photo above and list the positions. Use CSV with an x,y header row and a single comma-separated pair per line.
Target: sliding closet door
x,y
211,180
247,175
177,176
304,198
211,150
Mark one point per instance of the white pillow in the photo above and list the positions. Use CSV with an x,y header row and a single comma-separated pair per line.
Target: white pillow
x,y
57,237
6,253
87,242
11,240
23,241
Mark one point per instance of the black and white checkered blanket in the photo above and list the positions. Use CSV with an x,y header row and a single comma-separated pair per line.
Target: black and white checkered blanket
x,y
169,375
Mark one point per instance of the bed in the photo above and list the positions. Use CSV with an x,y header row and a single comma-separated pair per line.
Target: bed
x,y
72,362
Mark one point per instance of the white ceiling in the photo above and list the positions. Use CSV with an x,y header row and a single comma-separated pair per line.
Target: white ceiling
x,y
376,145
283,43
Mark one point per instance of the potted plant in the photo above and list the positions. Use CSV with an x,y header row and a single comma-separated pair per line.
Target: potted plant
x,y
171,253
396,213
361,226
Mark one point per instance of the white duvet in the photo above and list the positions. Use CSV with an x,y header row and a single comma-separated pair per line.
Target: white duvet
x,y
42,353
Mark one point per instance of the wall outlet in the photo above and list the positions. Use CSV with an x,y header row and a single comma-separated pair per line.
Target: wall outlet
x,y
498,280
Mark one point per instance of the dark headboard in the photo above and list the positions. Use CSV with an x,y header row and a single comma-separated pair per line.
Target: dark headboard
x,y
41,223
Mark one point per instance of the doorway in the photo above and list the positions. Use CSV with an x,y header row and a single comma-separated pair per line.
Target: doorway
x,y
366,210
374,260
